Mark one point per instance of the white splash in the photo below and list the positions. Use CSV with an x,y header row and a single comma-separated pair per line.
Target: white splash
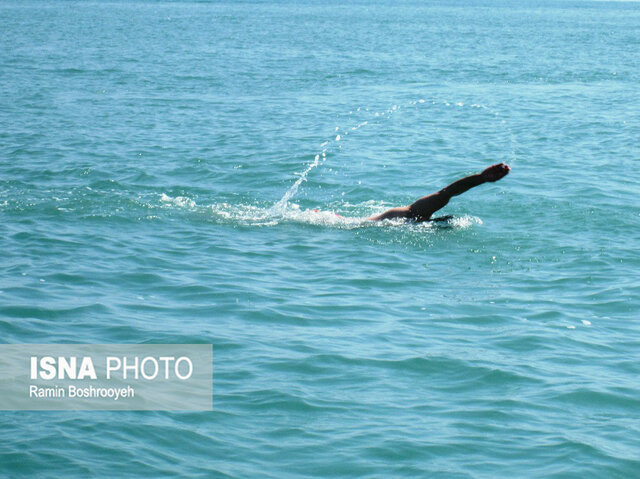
x,y
281,206
180,201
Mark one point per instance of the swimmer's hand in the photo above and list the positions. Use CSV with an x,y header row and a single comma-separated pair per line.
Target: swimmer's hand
x,y
495,172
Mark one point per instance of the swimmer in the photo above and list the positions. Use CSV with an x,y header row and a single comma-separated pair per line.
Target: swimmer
x,y
422,209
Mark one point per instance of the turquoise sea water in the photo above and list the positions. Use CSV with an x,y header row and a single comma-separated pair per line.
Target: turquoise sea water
x,y
159,168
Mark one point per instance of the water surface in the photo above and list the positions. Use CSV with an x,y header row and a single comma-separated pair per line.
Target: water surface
x,y
150,158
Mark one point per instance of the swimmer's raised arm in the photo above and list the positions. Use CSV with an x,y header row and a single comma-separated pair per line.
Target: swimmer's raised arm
x,y
491,174
422,209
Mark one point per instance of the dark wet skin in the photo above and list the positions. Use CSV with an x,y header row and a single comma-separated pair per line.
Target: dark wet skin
x,y
422,209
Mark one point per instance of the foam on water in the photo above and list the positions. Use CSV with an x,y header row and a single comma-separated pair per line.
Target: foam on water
x,y
247,214
180,201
